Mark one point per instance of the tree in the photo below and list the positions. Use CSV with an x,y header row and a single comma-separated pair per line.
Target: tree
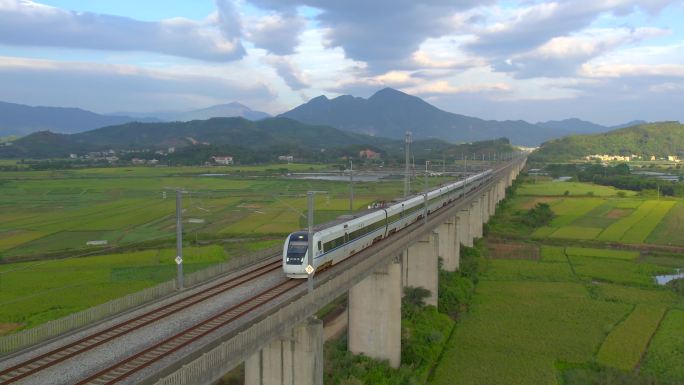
x,y
539,215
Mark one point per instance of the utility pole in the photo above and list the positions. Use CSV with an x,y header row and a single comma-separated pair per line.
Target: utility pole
x,y
179,238
407,154
465,173
310,249
351,186
425,210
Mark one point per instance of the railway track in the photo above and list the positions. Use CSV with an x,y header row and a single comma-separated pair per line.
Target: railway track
x,y
55,356
147,357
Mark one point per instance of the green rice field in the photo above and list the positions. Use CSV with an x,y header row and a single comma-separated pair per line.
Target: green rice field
x,y
34,292
47,219
585,211
577,303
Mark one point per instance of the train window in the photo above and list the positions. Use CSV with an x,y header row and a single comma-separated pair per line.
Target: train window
x,y
319,246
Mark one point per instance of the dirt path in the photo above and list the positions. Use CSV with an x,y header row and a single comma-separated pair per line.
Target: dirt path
x,y
334,327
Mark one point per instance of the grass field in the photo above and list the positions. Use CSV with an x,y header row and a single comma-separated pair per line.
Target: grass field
x,y
625,220
35,292
626,343
602,253
47,218
585,211
666,352
554,188
57,212
576,307
518,330
617,271
636,227
670,231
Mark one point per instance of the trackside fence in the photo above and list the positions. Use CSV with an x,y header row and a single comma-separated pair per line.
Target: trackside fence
x,y
54,328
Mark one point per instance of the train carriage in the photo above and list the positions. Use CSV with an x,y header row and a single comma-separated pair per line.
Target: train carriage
x,y
339,241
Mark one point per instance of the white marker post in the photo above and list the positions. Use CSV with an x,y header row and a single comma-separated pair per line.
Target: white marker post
x,y
179,239
310,252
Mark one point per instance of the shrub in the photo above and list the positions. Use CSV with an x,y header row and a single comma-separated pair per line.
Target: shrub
x,y
677,285
538,216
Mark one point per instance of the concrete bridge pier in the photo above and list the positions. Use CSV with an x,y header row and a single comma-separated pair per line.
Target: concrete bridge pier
x,y
420,266
502,190
485,206
463,228
476,219
492,201
449,249
295,359
374,323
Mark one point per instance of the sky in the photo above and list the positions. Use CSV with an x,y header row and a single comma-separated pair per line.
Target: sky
x,y
607,61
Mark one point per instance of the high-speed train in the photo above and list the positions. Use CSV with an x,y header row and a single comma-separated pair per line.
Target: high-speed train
x,y
341,240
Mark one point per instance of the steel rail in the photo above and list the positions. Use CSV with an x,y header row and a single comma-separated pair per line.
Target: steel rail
x,y
154,353
55,356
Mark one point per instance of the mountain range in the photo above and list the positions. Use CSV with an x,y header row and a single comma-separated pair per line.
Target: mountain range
x,y
390,113
229,110
19,119
262,140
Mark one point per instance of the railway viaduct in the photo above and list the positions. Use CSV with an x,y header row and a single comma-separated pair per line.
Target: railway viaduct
x,y
281,342
286,348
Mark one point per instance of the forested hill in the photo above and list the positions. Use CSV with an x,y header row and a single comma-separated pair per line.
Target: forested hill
x,y
659,139
260,141
212,132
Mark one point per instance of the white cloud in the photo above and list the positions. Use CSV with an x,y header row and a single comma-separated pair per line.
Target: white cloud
x,y
26,23
443,87
275,33
288,71
110,87
631,70
563,56
530,27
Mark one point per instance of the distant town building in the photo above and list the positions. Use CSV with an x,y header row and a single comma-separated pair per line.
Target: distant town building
x,y
609,158
673,158
73,156
653,157
138,161
222,160
112,159
153,161
171,150
369,154
286,158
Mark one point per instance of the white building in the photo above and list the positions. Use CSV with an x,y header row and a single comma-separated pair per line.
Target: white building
x,y
222,160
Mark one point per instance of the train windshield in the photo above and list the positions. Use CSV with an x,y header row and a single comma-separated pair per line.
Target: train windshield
x,y
296,248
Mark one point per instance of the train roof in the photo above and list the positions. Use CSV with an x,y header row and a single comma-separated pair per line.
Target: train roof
x,y
350,217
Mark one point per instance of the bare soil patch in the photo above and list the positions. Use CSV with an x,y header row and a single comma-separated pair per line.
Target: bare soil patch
x,y
513,251
618,213
9,327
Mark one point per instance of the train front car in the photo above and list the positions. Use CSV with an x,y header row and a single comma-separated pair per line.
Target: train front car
x,y
295,254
